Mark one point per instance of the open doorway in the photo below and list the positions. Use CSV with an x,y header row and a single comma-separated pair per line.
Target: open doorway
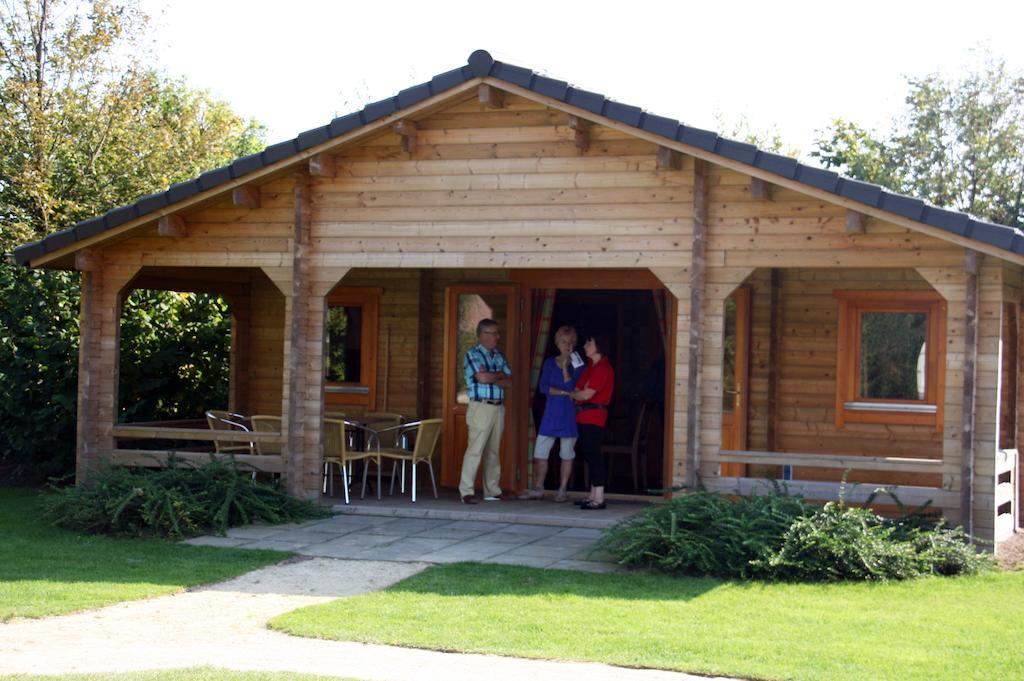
x,y
634,322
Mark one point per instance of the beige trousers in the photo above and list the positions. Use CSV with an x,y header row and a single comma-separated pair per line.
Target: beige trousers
x,y
485,423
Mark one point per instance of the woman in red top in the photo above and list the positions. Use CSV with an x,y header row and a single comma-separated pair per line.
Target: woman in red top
x,y
593,394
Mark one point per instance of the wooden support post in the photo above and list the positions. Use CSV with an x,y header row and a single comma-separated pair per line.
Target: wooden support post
x,y
776,332
299,310
87,260
697,277
408,131
491,97
669,159
582,129
172,225
972,265
322,165
760,190
246,196
856,223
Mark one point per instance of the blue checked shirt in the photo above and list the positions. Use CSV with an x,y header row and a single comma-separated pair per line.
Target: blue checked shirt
x,y
477,359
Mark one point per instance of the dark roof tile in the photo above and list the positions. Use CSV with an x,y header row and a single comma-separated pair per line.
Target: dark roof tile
x,y
23,254
246,165
777,163
901,205
948,220
584,99
863,192
313,137
737,151
659,125
375,110
818,177
449,79
695,137
480,63
1018,242
278,152
58,240
630,115
343,124
215,177
90,227
119,216
992,234
148,204
181,191
413,95
549,87
513,74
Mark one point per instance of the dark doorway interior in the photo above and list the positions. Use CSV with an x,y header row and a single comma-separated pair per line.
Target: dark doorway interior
x,y
629,320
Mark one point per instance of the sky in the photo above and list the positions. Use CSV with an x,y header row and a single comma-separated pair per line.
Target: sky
x,y
789,67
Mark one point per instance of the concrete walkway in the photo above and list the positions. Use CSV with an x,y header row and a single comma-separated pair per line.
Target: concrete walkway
x,y
358,535
223,625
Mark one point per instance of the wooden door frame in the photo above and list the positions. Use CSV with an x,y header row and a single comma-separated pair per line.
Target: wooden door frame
x,y
597,279
512,329
741,412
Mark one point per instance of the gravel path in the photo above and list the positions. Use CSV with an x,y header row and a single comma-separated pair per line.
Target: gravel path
x,y
223,625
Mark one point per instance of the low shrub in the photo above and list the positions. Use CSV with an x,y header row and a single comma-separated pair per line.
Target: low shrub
x,y
174,502
779,537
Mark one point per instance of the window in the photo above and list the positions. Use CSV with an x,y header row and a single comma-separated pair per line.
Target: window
x,y
891,357
350,347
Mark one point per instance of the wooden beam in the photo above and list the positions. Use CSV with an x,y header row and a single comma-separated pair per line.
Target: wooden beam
x,y
172,225
408,131
669,159
246,196
700,219
582,129
972,265
760,190
775,328
297,358
491,97
87,260
323,165
856,223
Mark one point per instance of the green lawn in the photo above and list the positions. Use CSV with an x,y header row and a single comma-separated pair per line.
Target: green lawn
x,y
955,628
48,571
190,674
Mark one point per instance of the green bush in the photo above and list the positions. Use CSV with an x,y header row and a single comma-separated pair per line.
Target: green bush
x,y
705,533
174,502
779,537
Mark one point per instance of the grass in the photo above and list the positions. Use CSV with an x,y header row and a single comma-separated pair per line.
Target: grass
x,y
187,674
48,571
934,628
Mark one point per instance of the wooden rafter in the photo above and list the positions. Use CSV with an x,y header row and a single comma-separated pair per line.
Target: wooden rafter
x,y
582,129
760,190
491,97
856,223
172,225
669,159
246,196
408,130
323,165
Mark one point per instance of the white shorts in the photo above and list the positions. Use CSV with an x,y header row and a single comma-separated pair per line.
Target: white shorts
x,y
542,448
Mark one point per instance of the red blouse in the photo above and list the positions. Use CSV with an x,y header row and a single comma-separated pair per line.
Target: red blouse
x,y
601,378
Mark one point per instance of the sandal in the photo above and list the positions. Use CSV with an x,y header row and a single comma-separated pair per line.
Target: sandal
x,y
561,498
592,506
581,502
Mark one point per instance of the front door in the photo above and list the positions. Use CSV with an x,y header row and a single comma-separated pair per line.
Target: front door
x,y
735,377
465,305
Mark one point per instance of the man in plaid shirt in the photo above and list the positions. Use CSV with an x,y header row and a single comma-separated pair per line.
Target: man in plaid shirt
x,y
488,376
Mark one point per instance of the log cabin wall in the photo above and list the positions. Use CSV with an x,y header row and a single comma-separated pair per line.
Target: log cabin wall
x,y
265,368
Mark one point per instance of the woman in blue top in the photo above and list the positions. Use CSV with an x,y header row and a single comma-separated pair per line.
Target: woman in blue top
x,y
557,380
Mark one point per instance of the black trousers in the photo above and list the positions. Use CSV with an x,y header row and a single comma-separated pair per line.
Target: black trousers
x,y
589,447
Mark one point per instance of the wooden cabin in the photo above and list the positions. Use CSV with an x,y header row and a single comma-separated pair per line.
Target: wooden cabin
x,y
770,319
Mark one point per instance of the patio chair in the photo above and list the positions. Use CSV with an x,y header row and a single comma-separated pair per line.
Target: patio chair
x,y
337,452
219,419
427,433
267,424
384,423
632,450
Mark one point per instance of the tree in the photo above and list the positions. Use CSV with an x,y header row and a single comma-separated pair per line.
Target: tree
x,y
85,127
959,144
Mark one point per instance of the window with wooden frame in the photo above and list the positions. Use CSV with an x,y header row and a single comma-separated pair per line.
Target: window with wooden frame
x,y
350,347
891,357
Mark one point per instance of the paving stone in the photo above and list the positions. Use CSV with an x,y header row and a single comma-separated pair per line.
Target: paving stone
x,y
481,525
254,532
587,566
533,530
404,527
506,538
512,558
553,552
331,550
309,536
559,540
449,533
224,542
581,533
468,550
411,549
273,545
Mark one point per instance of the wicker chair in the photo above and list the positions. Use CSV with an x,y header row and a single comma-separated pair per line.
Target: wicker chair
x,y
219,419
267,424
427,434
385,422
337,452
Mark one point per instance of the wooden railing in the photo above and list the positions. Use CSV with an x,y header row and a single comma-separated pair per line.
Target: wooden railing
x,y
157,458
944,497
1007,496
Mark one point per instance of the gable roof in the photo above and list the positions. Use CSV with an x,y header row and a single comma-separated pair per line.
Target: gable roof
x,y
482,65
